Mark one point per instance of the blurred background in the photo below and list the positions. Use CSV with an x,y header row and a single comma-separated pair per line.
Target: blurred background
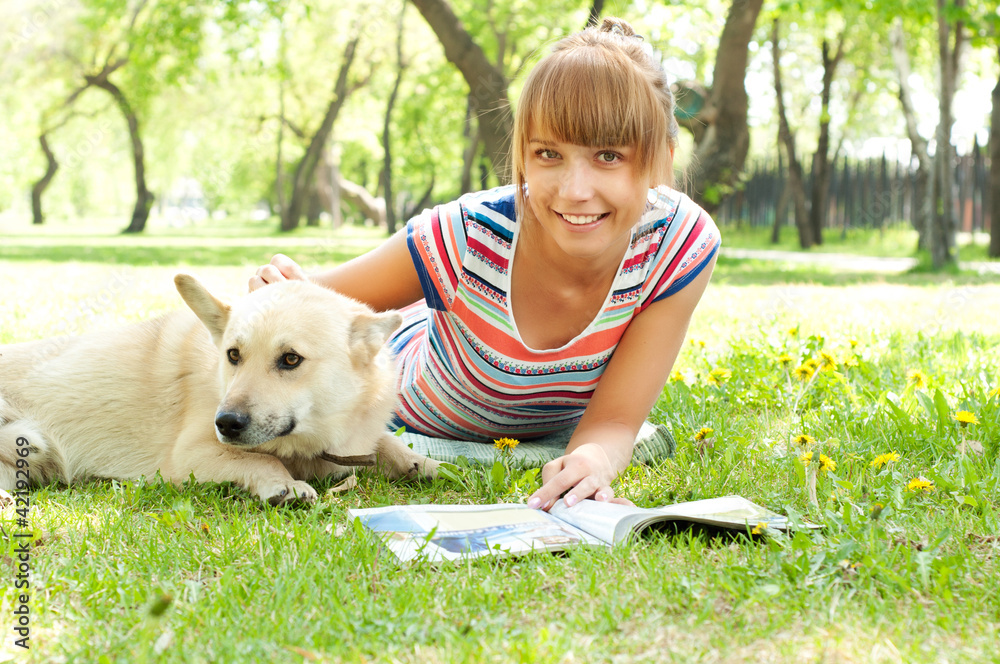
x,y
802,121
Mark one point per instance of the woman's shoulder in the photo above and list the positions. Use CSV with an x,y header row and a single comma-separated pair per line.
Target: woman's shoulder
x,y
496,202
668,207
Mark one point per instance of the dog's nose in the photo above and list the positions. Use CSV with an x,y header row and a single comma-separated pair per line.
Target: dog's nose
x,y
231,425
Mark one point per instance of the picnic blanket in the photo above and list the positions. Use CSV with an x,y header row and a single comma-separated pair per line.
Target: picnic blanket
x,y
653,444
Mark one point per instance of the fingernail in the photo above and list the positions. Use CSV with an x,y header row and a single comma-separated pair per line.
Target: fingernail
x,y
571,500
601,496
534,502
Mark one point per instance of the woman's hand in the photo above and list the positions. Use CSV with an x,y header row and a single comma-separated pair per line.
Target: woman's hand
x,y
586,472
281,268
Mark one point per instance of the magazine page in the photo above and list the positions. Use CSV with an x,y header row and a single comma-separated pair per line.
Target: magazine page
x,y
453,532
609,522
616,523
727,512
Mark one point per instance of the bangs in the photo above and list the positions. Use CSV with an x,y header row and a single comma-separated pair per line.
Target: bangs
x,y
593,97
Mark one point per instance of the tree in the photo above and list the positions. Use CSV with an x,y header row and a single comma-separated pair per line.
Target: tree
x,y
796,180
487,83
39,187
390,208
951,36
306,170
921,215
161,40
995,170
984,25
722,149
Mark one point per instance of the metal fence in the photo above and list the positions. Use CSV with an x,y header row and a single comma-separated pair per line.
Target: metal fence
x,y
871,193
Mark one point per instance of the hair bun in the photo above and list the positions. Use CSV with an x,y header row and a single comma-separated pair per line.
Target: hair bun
x,y
617,26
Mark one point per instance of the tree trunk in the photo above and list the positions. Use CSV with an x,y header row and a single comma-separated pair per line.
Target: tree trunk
x,y
821,160
390,206
354,194
487,84
594,16
39,187
143,196
306,169
471,135
995,172
781,211
923,191
796,182
721,154
941,237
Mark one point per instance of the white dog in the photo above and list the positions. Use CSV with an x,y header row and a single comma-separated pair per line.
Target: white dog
x,y
291,383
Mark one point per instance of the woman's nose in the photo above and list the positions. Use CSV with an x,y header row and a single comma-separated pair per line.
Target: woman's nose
x,y
577,182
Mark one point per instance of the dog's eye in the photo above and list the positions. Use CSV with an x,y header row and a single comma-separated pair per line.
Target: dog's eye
x,y
234,355
289,361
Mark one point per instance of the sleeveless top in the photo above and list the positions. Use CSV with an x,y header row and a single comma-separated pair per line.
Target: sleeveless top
x,y
463,371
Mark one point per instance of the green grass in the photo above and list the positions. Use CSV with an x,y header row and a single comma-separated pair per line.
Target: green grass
x,y
140,571
896,241
243,244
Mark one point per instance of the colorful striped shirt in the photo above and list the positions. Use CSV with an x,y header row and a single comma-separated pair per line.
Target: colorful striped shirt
x,y
464,372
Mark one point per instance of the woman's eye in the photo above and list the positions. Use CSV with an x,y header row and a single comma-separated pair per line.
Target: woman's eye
x,y
609,157
547,154
234,355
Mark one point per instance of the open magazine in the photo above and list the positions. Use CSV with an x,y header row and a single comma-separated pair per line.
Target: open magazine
x,y
452,532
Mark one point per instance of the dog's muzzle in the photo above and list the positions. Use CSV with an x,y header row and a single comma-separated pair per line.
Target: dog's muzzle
x,y
231,425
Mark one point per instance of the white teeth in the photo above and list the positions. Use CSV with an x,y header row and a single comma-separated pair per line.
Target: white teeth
x,y
579,220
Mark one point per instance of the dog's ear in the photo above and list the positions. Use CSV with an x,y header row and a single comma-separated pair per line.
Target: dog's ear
x,y
369,332
212,311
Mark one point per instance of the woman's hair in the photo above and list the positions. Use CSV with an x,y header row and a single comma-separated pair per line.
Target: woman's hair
x,y
599,88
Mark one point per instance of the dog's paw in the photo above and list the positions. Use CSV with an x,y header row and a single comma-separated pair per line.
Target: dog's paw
x,y
284,492
425,468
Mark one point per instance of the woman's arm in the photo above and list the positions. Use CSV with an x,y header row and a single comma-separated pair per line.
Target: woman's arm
x,y
601,446
384,278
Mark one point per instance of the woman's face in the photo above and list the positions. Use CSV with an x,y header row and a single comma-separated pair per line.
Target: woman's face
x,y
585,199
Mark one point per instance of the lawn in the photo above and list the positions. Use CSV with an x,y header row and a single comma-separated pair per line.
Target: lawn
x,y
894,241
865,372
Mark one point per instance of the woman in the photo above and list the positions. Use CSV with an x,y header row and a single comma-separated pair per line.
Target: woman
x,y
560,300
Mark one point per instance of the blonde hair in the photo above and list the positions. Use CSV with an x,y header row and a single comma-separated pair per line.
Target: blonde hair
x,y
599,88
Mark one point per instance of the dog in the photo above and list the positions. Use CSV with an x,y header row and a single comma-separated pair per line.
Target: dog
x,y
290,383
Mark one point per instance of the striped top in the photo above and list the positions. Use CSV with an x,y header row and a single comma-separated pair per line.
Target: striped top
x,y
464,372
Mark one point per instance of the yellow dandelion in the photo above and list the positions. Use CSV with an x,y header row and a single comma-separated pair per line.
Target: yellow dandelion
x,y
793,331
884,460
697,343
785,359
994,393
812,363
759,529
965,418
826,464
916,378
804,372
703,433
853,342
505,444
920,484
806,458
719,376
850,361
804,440
677,376
827,361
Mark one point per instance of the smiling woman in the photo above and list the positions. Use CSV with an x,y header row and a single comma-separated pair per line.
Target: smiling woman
x,y
559,302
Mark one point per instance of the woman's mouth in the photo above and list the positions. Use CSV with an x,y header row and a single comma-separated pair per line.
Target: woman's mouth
x,y
582,219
